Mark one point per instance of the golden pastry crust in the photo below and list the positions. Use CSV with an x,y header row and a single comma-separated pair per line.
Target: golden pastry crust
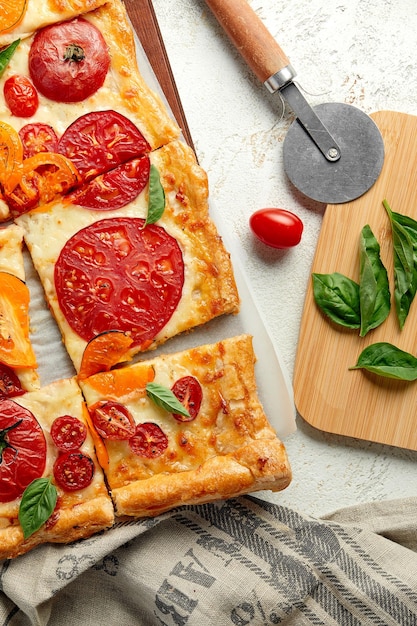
x,y
78,514
40,14
209,288
229,449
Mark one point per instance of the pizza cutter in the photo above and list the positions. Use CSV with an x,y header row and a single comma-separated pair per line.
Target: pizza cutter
x,y
333,152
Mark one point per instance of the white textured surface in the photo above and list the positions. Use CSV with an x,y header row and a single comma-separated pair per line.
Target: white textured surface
x,y
361,52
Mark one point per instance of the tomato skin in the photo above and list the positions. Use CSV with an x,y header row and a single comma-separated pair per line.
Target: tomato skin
x,y
68,433
21,96
23,449
38,137
9,383
277,228
112,420
188,391
149,440
73,471
69,61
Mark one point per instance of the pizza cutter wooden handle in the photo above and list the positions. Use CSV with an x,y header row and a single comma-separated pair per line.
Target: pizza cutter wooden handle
x,y
251,37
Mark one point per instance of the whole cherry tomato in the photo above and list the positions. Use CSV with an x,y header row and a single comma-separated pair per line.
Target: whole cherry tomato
x,y
21,96
277,228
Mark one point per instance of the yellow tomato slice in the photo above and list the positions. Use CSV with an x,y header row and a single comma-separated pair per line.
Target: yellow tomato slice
x,y
15,346
11,157
99,445
11,13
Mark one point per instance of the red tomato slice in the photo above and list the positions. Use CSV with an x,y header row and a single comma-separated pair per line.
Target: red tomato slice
x,y
116,188
68,433
188,391
9,383
99,141
112,420
38,137
21,96
22,449
149,440
69,61
277,228
73,471
117,274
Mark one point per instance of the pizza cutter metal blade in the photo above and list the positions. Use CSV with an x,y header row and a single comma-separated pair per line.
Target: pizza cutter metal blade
x,y
334,152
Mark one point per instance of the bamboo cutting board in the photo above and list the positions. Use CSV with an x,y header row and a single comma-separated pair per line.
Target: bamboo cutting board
x,y
328,395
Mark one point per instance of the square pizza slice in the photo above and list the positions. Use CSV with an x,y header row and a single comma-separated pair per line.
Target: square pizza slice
x,y
73,105
18,363
185,428
52,488
104,267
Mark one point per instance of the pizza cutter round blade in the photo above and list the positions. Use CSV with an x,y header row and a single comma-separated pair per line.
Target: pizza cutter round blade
x,y
353,173
333,153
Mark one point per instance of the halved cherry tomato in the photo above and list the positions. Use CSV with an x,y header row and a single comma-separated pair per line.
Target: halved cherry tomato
x,y
277,228
21,96
117,275
188,391
99,141
10,385
103,352
22,449
15,347
116,188
112,420
38,137
11,157
149,440
69,61
68,433
73,471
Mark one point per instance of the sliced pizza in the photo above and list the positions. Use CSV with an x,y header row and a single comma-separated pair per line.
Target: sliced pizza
x,y
108,269
18,364
52,488
70,93
185,428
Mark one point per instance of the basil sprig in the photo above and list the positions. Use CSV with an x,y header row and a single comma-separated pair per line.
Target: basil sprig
x,y
387,360
404,238
165,399
374,292
156,202
338,297
37,505
6,54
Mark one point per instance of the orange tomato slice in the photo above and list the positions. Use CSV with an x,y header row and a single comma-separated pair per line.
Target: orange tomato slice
x,y
11,157
55,174
15,347
99,445
11,14
103,352
119,383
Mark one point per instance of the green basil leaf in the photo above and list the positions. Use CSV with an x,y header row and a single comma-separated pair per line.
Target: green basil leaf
x,y
374,292
156,202
389,361
165,398
6,54
338,297
37,505
404,237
